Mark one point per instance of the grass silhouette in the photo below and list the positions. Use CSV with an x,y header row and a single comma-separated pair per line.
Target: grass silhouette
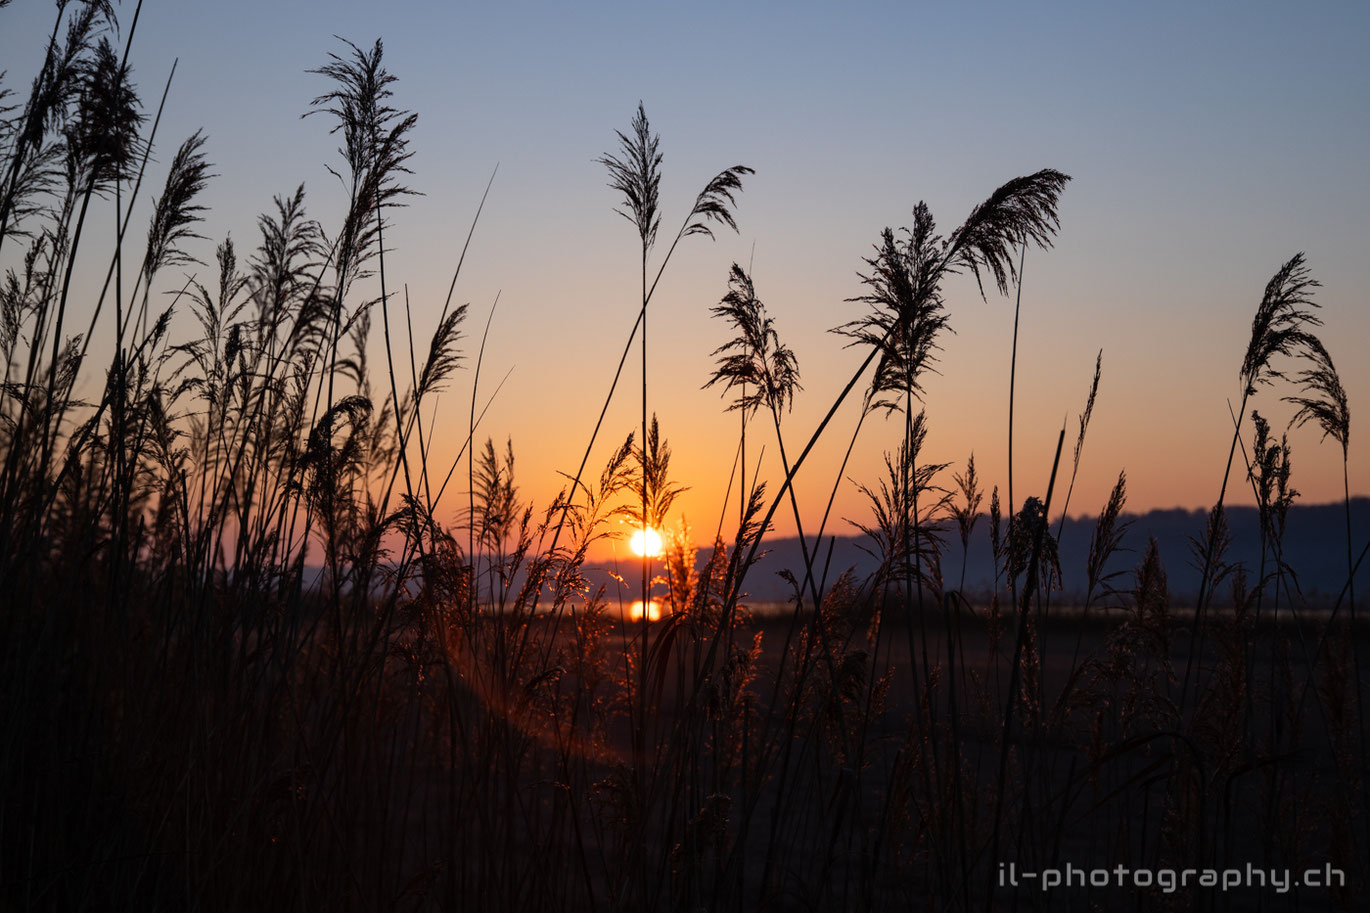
x,y
246,665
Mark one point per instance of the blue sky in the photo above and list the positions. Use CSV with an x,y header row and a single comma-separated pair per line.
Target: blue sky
x,y
1208,143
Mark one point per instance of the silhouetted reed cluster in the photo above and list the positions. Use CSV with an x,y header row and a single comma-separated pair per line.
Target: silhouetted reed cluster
x,y
249,664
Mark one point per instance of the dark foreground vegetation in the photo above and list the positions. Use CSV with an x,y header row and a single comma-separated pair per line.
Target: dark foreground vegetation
x,y
245,666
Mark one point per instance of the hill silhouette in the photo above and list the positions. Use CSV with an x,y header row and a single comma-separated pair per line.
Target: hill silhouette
x,y
1314,550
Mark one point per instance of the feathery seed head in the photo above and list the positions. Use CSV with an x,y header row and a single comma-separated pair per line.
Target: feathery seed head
x,y
1278,327
754,359
177,210
1022,210
1323,398
637,175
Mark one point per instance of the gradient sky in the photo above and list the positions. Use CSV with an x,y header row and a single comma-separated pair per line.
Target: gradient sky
x,y
1206,145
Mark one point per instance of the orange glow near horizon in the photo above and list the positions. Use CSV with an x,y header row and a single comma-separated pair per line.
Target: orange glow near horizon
x,y
646,543
653,610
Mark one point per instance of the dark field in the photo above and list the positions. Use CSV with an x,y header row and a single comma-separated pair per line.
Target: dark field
x,y
452,771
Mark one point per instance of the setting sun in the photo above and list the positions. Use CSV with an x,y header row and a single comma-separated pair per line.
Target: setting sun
x,y
653,610
646,542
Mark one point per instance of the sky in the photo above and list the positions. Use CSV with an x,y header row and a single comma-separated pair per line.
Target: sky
x,y
1207,144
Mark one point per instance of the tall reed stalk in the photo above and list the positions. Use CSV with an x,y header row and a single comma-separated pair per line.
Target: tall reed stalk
x,y
1279,328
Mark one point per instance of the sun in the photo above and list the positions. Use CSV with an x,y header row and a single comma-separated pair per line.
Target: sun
x,y
653,612
646,542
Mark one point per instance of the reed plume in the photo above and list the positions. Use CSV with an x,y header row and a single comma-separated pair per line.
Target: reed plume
x,y
1323,398
1279,328
967,513
755,357
907,314
283,269
636,174
102,140
375,146
652,482
1107,538
1021,210
32,166
177,212
894,509
1080,438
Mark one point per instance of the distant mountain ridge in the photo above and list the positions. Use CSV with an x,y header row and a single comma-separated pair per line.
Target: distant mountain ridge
x,y
1314,548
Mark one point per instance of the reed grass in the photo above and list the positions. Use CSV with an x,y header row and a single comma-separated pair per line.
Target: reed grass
x,y
247,664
